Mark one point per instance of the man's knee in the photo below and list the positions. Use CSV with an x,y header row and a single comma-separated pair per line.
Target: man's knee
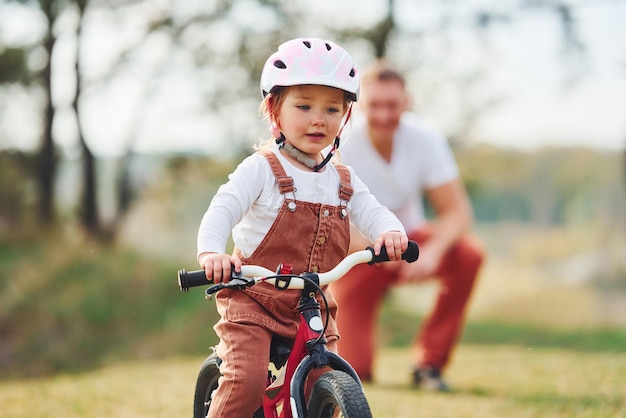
x,y
470,252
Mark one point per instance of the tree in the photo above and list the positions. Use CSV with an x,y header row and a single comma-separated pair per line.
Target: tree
x,y
15,60
47,155
89,210
228,43
241,59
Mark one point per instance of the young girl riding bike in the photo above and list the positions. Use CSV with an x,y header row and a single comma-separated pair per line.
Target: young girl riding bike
x,y
286,204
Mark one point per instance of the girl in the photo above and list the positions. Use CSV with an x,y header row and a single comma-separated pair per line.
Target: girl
x,y
285,203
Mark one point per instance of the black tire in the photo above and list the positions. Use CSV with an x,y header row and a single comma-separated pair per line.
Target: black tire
x,y
336,393
205,385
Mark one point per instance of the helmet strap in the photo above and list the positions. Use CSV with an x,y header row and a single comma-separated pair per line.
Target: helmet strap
x,y
329,156
348,115
281,139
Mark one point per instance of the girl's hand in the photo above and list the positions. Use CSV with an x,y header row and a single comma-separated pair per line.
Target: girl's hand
x,y
395,242
218,266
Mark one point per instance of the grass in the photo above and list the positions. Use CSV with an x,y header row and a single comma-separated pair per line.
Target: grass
x,y
93,334
398,327
508,381
489,381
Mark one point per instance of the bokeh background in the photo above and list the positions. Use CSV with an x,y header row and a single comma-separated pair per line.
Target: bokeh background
x,y
119,119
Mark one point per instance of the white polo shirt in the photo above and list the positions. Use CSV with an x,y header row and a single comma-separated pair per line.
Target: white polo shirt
x,y
421,159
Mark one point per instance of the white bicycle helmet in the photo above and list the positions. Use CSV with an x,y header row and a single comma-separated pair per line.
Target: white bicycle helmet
x,y
310,61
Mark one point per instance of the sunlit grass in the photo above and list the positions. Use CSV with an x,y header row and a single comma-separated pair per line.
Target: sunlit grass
x,y
487,381
140,389
506,381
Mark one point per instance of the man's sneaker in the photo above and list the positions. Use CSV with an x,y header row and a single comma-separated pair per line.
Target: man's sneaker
x,y
429,378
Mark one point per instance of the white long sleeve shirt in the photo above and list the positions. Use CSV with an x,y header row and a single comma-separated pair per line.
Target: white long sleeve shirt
x,y
248,204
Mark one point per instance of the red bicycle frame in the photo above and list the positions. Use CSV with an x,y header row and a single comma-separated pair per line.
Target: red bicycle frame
x,y
308,352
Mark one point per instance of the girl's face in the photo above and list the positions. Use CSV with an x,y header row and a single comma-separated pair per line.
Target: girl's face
x,y
310,117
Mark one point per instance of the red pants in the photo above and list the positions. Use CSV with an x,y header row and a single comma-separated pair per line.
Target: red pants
x,y
359,295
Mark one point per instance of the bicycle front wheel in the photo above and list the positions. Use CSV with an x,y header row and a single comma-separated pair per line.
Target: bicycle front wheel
x,y
337,394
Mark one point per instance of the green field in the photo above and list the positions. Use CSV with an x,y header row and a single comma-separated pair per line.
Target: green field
x,y
489,381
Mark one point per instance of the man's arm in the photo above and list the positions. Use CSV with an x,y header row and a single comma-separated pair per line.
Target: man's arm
x,y
453,218
453,214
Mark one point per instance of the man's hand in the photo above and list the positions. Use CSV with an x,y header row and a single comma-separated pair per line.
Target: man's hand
x,y
422,269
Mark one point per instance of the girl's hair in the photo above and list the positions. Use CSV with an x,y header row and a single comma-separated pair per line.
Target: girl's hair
x,y
271,104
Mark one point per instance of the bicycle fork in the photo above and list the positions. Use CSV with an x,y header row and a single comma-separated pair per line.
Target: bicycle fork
x,y
308,352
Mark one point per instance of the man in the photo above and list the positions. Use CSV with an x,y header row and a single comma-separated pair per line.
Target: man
x,y
403,161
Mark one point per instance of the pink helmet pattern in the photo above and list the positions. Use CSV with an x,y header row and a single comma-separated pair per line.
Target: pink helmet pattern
x,y
310,61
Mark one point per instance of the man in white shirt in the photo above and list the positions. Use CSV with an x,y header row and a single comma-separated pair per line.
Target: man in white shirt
x,y
403,161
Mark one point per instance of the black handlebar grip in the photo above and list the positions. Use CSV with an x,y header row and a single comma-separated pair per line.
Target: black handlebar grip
x,y
412,252
410,255
187,279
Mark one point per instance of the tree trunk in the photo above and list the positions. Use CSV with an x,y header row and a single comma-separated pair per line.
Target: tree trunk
x,y
89,208
379,35
47,158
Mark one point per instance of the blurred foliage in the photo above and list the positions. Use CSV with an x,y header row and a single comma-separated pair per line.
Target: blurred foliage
x,y
400,327
14,67
16,192
550,186
69,305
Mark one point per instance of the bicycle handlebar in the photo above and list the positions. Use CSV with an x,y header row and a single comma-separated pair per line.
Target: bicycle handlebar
x,y
251,274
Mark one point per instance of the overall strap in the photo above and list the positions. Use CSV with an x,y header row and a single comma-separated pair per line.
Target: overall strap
x,y
285,183
345,185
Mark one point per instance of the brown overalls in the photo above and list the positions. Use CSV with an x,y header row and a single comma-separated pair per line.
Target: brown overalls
x,y
313,238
